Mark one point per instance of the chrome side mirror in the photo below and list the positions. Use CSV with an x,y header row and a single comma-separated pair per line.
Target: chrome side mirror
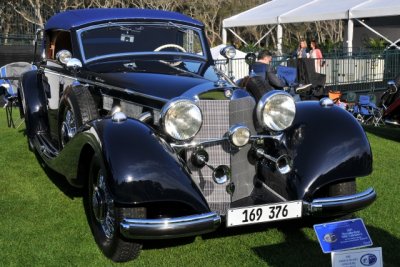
x,y
63,56
74,64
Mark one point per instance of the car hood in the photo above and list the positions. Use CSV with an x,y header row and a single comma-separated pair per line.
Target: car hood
x,y
163,86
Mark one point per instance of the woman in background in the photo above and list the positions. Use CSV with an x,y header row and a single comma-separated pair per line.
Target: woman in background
x,y
316,54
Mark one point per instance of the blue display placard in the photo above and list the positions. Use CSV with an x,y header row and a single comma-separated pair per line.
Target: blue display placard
x,y
342,235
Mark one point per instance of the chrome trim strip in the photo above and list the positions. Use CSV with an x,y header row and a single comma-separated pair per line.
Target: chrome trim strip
x,y
180,55
170,227
277,137
125,90
195,144
222,139
340,204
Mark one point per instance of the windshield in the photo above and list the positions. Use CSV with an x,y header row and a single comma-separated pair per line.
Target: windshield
x,y
116,39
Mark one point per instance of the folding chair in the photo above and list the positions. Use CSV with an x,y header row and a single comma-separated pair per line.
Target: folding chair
x,y
289,75
366,112
9,81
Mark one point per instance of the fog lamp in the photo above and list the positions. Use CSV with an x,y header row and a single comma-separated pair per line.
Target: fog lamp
x,y
239,135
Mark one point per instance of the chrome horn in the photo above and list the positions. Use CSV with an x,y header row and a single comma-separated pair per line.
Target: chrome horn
x,y
282,163
220,174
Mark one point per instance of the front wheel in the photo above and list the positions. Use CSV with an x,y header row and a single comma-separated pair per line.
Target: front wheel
x,y
341,188
104,217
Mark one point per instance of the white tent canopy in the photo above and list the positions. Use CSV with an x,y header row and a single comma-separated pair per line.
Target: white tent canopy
x,y
296,11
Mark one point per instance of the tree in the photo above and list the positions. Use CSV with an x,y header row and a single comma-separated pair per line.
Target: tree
x,y
210,12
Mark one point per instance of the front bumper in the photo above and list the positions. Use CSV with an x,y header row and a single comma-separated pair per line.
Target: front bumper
x,y
204,223
170,227
333,206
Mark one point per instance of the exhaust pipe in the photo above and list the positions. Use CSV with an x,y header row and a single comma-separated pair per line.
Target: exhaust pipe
x,y
283,163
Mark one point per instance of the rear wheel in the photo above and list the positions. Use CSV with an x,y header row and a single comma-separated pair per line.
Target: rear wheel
x,y
104,217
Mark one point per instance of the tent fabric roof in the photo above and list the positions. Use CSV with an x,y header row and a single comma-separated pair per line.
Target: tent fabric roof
x,y
294,11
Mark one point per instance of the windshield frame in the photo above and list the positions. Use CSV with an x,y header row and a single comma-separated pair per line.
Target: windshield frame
x,y
198,30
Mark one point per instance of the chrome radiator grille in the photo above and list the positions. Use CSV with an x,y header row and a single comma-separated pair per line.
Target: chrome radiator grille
x,y
218,116
215,125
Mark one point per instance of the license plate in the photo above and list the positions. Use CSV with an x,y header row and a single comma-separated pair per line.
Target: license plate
x,y
264,213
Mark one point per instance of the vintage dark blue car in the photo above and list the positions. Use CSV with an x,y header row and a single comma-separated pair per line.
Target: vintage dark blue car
x,y
128,105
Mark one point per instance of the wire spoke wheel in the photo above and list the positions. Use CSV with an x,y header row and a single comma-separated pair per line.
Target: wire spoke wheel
x,y
104,217
68,127
102,205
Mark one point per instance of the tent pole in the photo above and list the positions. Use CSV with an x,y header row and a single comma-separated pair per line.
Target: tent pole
x,y
240,38
265,35
279,34
224,36
350,28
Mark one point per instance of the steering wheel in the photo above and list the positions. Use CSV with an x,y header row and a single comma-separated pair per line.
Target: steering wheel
x,y
171,46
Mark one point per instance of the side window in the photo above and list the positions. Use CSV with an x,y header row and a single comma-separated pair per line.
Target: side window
x,y
56,41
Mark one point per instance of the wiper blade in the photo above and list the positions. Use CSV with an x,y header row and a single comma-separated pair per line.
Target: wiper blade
x,y
182,71
180,28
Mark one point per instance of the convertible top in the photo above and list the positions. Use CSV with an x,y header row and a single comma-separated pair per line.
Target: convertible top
x,y
80,17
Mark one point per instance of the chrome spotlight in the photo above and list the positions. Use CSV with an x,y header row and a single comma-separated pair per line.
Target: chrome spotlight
x,y
228,52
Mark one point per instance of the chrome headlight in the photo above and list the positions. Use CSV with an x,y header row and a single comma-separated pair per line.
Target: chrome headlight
x,y
181,119
276,110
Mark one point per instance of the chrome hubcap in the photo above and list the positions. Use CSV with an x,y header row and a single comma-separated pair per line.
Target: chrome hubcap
x,y
68,128
102,205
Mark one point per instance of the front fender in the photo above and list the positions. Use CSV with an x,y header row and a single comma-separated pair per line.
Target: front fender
x,y
34,106
142,168
326,144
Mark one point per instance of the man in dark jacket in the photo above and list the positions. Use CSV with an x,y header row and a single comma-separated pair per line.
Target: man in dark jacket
x,y
263,65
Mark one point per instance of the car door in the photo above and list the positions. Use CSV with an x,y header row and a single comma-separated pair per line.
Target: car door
x,y
55,77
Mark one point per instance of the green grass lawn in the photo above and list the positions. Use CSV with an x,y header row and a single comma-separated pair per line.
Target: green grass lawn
x,y
43,224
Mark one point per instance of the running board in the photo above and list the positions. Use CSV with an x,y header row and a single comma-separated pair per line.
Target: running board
x,y
44,146
390,122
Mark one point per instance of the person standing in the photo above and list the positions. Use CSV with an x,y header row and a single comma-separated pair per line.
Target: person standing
x,y
316,54
302,50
